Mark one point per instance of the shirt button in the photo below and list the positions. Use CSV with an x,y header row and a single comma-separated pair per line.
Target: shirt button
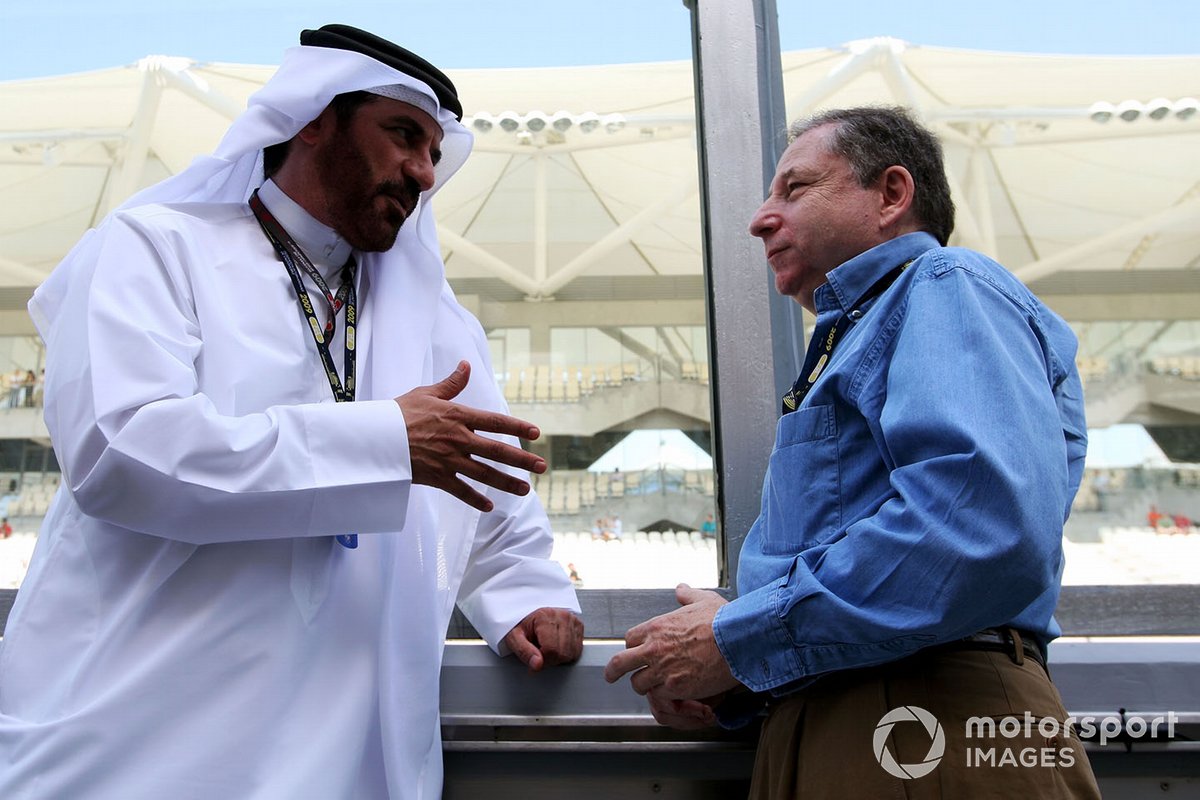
x,y
856,315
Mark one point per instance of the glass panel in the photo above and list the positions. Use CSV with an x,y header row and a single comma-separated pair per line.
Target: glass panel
x,y
1085,213
574,234
574,230
1132,521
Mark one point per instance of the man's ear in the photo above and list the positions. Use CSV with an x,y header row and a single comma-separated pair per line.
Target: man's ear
x,y
896,193
311,133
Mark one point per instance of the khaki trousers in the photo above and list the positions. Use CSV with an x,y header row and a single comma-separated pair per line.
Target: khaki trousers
x,y
820,742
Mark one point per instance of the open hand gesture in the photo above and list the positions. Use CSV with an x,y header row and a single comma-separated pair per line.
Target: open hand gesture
x,y
444,443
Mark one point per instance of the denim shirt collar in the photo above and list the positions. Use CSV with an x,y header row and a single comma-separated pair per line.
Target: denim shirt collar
x,y
845,285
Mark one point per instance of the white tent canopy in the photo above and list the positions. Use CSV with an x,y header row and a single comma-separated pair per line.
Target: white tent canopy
x,y
611,191
653,448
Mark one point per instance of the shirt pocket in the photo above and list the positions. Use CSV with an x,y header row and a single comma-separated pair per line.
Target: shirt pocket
x,y
804,483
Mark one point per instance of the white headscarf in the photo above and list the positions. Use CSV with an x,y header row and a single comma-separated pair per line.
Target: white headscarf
x,y
305,83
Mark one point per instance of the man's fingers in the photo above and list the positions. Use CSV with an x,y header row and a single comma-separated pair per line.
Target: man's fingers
x,y
681,714
446,448
686,595
463,491
637,634
493,477
559,635
550,630
450,386
645,681
623,662
502,453
546,637
478,471
493,422
576,644
525,650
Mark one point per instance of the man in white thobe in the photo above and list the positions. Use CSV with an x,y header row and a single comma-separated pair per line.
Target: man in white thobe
x,y
242,588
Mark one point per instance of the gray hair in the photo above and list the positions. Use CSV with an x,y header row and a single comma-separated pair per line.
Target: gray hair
x,y
874,138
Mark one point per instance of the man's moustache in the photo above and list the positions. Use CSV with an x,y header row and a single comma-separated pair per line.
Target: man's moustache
x,y
406,194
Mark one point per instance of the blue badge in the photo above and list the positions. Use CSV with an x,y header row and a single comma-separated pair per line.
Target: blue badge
x,y
348,540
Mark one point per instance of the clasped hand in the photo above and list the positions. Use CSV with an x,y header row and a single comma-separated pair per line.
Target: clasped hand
x,y
547,636
675,661
444,443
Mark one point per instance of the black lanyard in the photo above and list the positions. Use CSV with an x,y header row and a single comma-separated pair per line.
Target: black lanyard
x,y
294,259
826,337
291,255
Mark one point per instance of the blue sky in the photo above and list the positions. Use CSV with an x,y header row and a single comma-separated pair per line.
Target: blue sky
x,y
52,37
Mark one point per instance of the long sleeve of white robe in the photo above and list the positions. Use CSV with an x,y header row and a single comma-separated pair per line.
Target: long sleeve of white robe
x,y
143,445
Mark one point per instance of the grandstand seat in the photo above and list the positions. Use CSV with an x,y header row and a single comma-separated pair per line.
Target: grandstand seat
x,y
588,379
526,381
541,384
558,385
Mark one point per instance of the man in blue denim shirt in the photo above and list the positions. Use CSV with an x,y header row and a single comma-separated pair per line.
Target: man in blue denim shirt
x,y
908,552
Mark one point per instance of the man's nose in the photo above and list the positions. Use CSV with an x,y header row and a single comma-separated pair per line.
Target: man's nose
x,y
764,221
419,167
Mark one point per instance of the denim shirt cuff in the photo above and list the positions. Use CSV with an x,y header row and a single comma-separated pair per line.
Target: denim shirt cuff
x,y
754,640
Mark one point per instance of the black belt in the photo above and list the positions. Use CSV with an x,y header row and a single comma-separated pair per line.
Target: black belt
x,y
1013,642
1016,643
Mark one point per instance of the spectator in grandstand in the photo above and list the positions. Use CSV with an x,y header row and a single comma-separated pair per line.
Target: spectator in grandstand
x,y
708,528
909,548
14,382
8,497
5,529
28,384
1155,518
243,588
614,527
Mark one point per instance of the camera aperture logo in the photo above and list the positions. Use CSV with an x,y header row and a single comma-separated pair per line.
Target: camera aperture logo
x,y
937,745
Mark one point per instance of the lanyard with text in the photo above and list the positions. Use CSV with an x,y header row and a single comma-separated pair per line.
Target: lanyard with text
x,y
827,336
294,260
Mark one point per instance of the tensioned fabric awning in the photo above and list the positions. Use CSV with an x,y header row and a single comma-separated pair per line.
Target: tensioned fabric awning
x,y
591,171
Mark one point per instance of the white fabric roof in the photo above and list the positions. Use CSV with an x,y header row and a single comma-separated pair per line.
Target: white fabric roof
x,y
1039,183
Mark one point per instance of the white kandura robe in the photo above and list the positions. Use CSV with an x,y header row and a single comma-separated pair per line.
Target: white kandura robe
x,y
188,628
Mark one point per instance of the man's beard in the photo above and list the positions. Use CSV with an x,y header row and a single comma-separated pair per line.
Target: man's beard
x,y
354,198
